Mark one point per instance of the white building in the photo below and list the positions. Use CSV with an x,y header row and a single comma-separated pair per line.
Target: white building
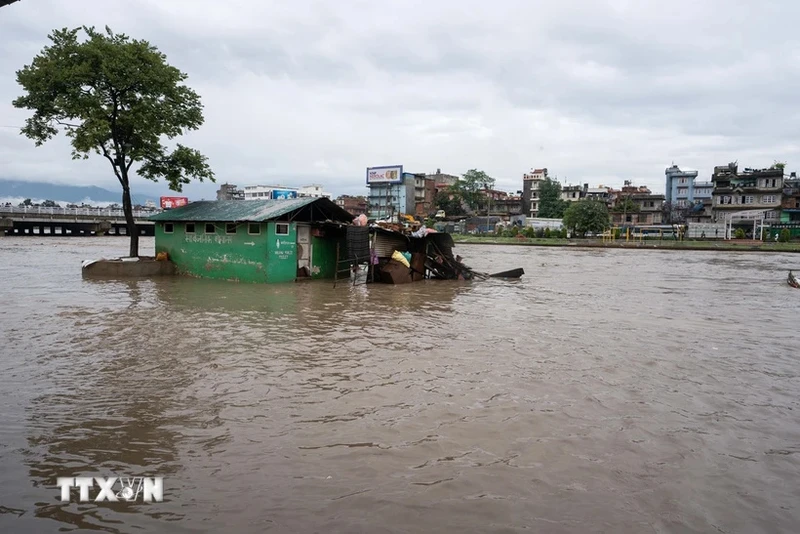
x,y
313,190
255,192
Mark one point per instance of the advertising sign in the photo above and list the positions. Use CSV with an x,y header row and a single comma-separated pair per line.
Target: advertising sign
x,y
173,202
282,194
385,175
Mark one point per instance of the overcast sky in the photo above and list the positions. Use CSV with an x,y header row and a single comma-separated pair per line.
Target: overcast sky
x,y
315,91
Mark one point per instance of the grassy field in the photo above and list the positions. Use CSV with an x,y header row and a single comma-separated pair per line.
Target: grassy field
x,y
733,245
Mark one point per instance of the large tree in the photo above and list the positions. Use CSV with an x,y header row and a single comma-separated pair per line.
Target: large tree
x,y
119,98
586,216
449,201
551,205
470,185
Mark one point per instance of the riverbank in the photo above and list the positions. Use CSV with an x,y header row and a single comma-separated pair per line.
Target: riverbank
x,y
740,245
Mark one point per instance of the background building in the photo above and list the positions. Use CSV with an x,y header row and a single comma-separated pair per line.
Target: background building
x,y
679,185
634,205
687,200
229,192
500,203
313,191
441,180
354,205
571,193
790,206
599,193
753,189
530,191
391,192
254,192
424,195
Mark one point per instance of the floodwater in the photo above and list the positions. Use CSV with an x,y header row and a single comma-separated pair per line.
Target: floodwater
x,y
606,391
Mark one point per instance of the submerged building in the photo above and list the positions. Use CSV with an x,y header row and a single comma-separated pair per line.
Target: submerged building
x,y
254,241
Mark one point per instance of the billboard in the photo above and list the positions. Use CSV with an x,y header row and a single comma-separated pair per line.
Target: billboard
x,y
282,194
385,175
173,202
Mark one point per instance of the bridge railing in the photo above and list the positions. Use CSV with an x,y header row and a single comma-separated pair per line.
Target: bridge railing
x,y
72,212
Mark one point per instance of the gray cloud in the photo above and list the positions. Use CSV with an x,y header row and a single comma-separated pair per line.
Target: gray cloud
x,y
316,91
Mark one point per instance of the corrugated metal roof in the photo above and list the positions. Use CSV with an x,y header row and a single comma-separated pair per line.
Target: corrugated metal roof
x,y
249,210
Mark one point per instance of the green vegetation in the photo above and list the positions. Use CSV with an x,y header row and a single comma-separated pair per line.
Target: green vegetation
x,y
785,236
449,200
586,216
626,205
466,191
116,97
551,205
778,165
470,185
739,234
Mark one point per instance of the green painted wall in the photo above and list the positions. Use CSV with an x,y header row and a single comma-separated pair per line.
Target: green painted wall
x,y
240,256
281,253
323,255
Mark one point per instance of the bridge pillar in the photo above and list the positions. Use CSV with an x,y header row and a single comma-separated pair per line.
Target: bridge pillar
x,y
6,224
101,228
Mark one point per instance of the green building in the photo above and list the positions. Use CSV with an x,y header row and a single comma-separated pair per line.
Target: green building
x,y
254,240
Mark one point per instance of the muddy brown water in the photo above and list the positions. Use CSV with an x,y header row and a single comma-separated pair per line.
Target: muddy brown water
x,y
605,391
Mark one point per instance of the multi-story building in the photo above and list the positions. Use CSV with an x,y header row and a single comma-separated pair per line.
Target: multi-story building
x,y
441,180
530,190
753,189
424,195
354,205
790,204
601,193
699,211
391,192
313,191
687,200
790,208
679,185
229,192
499,203
636,206
508,206
571,193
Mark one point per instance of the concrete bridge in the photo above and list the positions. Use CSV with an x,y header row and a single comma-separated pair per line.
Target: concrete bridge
x,y
33,220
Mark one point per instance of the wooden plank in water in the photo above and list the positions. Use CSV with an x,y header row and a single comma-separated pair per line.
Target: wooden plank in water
x,y
513,273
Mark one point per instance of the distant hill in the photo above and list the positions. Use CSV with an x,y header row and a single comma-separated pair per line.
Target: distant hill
x,y
64,193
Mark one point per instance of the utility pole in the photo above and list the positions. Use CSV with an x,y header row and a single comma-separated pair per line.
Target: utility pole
x,y
488,207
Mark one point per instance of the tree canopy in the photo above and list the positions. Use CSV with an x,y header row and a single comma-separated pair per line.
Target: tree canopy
x,y
586,216
470,185
449,201
626,205
119,98
551,205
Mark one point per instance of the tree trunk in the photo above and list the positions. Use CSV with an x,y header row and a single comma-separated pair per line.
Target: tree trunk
x,y
127,207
